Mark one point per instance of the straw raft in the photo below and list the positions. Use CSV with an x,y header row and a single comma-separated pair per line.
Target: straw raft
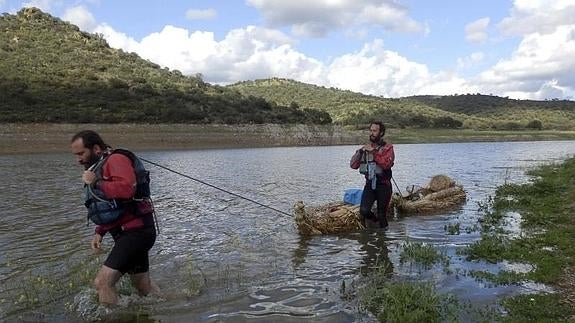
x,y
329,218
440,193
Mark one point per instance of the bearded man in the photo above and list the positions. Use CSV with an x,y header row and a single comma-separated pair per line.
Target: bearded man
x,y
117,195
374,160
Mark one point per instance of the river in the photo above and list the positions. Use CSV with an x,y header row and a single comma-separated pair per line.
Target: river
x,y
222,258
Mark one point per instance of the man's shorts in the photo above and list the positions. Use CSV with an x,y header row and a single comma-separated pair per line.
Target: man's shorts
x,y
130,251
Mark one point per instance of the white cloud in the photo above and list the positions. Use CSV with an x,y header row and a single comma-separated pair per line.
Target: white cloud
x,y
247,53
543,16
470,61
201,14
44,5
317,18
475,32
2,2
80,17
542,65
374,70
117,39
254,52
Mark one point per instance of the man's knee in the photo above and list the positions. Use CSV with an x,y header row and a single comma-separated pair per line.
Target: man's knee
x,y
365,211
382,209
106,278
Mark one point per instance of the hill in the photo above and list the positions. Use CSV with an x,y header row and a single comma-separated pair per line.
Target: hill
x,y
552,112
51,71
468,111
347,107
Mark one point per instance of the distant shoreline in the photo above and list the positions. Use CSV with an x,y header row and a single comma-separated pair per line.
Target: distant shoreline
x,y
51,138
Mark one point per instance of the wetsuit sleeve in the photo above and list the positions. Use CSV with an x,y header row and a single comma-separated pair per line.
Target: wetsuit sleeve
x,y
356,159
118,178
385,157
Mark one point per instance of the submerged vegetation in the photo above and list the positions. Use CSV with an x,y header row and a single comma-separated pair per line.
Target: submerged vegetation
x,y
418,252
409,302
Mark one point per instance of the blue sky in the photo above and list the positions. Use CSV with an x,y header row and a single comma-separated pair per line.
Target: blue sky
x,y
522,48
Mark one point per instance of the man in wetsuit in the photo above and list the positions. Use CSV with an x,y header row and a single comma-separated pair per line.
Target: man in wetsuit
x,y
113,176
375,160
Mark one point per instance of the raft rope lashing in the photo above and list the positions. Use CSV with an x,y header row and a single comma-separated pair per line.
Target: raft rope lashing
x,y
213,186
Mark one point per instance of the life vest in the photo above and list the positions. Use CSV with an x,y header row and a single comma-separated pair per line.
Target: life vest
x,y
102,210
371,169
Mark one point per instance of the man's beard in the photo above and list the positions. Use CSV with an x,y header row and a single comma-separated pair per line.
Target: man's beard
x,y
375,140
91,161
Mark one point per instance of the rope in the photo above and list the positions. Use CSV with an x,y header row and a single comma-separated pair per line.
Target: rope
x,y
213,186
394,182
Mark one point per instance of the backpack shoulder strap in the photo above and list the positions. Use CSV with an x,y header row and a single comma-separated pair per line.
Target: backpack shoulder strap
x,y
126,153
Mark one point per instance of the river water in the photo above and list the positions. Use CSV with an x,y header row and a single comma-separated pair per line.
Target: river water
x,y
222,258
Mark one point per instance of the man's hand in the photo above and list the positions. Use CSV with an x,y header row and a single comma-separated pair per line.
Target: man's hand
x,y
367,147
96,242
89,177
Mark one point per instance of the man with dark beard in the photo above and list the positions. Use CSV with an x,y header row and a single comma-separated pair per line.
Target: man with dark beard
x,y
117,198
375,160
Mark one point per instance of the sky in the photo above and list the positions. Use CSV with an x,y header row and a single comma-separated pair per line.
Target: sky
x,y
521,49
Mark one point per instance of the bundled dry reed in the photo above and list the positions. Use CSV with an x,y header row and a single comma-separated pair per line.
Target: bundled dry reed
x,y
441,200
329,218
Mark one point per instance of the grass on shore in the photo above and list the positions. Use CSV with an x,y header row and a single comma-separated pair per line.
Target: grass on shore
x,y
415,135
546,241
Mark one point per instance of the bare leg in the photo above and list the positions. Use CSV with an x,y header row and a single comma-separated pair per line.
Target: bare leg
x,y
105,282
144,284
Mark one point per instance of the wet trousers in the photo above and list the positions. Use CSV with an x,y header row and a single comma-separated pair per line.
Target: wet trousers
x,y
381,194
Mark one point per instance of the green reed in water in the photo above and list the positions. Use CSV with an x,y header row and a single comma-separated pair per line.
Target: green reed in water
x,y
421,253
37,290
397,301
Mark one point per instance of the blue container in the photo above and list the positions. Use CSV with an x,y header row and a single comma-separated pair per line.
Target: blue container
x,y
352,196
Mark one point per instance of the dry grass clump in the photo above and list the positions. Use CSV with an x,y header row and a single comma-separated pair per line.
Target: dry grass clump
x,y
329,218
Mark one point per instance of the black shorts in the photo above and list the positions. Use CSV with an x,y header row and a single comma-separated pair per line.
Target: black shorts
x,y
130,251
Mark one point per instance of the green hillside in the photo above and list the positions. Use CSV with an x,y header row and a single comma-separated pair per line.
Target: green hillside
x,y
467,111
51,71
559,113
347,107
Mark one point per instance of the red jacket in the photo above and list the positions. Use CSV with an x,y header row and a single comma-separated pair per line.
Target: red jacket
x,y
119,182
384,157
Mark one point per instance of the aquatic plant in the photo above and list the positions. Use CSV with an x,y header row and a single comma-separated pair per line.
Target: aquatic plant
x,y
422,253
407,301
452,229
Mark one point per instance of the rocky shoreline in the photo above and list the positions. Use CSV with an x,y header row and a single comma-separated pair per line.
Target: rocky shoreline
x,y
19,138
46,138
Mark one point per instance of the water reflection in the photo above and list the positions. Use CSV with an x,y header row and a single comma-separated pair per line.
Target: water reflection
x,y
373,245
